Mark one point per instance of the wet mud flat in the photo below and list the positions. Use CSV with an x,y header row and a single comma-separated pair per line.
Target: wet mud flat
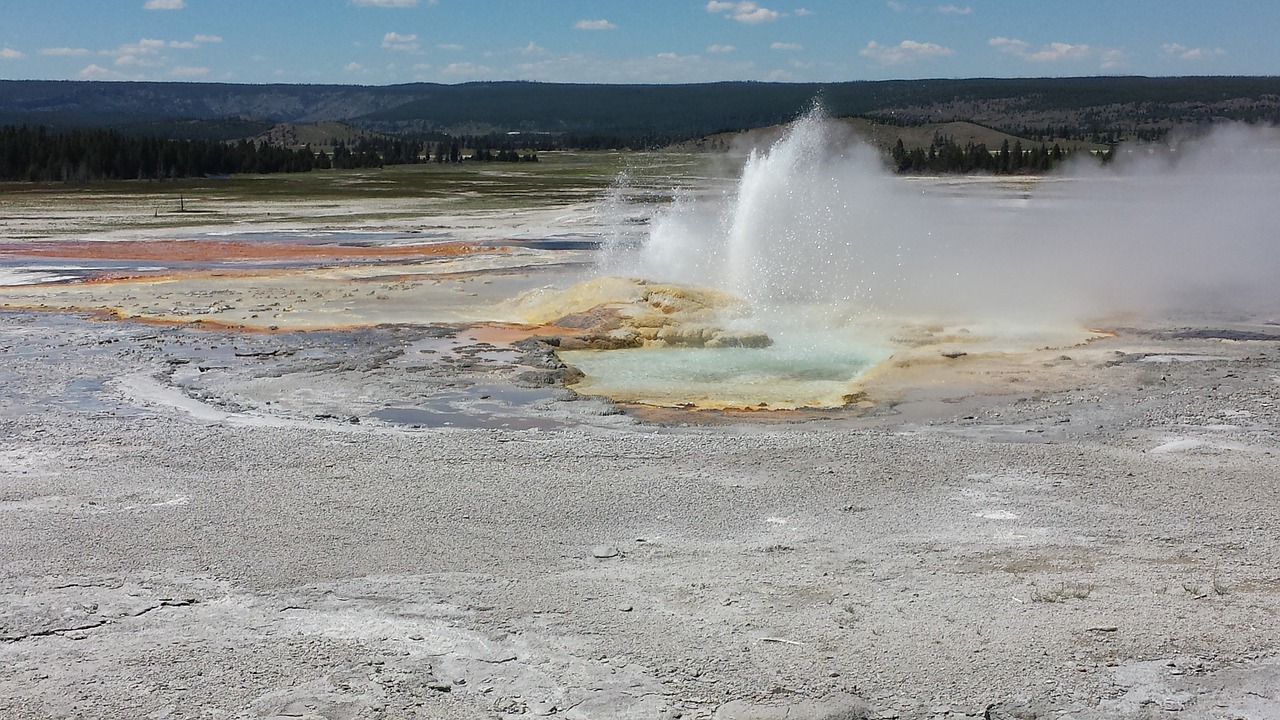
x,y
418,521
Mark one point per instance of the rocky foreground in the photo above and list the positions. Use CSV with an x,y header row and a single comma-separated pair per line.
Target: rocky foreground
x,y
389,523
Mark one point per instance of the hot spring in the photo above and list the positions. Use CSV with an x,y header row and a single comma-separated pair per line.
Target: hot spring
x,y
820,264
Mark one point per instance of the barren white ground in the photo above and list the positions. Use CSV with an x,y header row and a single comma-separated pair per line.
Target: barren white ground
x,y
378,523
188,530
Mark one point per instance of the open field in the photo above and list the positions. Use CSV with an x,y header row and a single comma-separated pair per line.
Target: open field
x,y
298,453
408,194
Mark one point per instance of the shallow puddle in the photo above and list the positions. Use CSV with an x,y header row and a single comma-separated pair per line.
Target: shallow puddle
x,y
781,377
475,407
414,417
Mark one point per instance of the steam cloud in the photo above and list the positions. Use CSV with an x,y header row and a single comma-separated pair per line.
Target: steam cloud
x,y
818,221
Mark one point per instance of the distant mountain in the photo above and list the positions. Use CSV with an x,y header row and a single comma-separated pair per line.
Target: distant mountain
x,y
74,103
637,113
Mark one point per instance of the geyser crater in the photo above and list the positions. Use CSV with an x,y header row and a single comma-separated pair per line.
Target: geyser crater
x,y
819,272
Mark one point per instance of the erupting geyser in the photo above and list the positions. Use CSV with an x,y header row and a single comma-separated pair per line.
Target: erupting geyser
x,y
796,228
841,263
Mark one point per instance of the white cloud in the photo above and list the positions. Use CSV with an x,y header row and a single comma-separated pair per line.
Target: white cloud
x,y
790,46
95,72
1012,46
164,5
668,67
9,54
955,10
137,61
145,53
720,48
801,12
450,46
1112,59
670,57
1183,52
1053,52
386,3
906,51
594,25
182,71
466,70
1107,58
145,46
533,49
355,68
743,11
65,52
402,43
895,6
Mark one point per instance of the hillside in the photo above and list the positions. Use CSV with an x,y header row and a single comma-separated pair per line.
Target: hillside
x,y
882,135
642,114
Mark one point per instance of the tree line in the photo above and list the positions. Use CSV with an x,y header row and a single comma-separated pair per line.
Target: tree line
x,y
34,154
944,155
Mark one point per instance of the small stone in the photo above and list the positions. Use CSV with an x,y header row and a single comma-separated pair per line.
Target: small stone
x,y
542,709
625,608
604,552
296,708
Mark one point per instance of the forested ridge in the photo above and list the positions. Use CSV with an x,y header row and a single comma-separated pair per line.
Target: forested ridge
x,y
36,154
79,131
637,114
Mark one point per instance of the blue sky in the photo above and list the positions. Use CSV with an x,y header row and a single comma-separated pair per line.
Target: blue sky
x,y
381,42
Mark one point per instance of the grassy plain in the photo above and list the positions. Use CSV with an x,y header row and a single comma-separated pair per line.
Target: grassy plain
x,y
329,197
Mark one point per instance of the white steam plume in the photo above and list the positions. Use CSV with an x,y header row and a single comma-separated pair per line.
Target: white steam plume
x,y
818,221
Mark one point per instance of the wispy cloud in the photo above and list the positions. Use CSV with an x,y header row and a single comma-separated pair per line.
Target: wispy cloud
x,y
659,67
594,25
1107,58
907,51
743,12
466,70
802,12
450,46
1112,59
720,48
790,46
401,43
96,72
164,5
1013,46
65,52
1053,52
9,54
145,53
1183,52
954,9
